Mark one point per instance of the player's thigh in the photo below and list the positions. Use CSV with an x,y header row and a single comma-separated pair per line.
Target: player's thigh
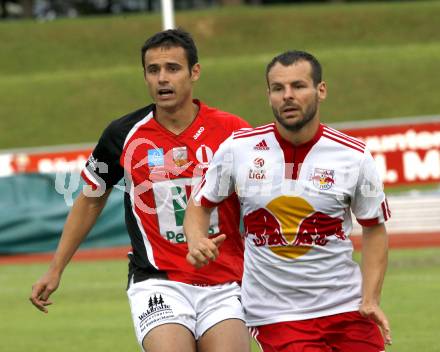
x,y
294,336
169,338
220,319
228,335
352,332
159,306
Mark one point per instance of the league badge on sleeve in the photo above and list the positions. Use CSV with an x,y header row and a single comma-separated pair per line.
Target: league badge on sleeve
x,y
323,179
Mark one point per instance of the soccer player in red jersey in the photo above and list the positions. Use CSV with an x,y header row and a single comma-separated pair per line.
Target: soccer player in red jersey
x,y
298,181
161,151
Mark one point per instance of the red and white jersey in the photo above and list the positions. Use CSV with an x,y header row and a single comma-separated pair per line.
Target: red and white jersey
x,y
296,203
159,170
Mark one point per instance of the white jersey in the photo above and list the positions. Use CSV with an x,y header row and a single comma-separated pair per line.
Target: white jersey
x,y
296,203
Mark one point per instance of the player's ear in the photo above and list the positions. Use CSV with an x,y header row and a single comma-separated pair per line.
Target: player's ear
x,y
268,96
195,72
322,90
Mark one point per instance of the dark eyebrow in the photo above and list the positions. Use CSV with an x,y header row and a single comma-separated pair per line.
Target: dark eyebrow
x,y
152,66
174,64
300,81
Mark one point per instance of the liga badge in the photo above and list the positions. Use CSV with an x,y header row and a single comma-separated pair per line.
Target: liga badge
x,y
323,179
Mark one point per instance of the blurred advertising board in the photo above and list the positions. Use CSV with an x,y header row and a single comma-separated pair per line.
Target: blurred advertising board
x,y
407,151
49,161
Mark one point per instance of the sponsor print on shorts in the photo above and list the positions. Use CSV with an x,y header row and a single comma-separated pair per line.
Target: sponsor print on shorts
x,y
157,311
291,227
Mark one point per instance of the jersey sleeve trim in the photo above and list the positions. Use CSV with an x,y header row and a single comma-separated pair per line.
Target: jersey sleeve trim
x,y
89,179
385,210
386,215
207,203
368,222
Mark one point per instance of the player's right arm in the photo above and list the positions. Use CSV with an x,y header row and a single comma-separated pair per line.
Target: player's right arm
x,y
82,217
216,185
201,249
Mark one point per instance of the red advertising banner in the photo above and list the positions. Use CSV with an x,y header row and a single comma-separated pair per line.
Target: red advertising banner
x,y
406,153
40,162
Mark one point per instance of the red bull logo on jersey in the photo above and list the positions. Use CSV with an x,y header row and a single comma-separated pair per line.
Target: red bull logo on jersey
x,y
291,227
323,179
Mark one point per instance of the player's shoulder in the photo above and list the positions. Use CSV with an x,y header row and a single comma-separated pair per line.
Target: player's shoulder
x,y
119,128
342,140
222,118
132,118
253,133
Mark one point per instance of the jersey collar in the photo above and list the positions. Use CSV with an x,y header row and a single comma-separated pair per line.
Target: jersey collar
x,y
305,146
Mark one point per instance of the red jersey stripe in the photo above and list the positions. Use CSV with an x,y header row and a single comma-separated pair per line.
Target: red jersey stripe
x,y
247,130
85,174
252,134
385,210
388,207
344,136
353,139
343,142
198,188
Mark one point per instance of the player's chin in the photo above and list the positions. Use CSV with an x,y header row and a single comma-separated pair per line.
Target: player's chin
x,y
292,121
166,104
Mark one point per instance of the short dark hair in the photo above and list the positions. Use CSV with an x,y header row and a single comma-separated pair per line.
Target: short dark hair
x,y
169,39
290,57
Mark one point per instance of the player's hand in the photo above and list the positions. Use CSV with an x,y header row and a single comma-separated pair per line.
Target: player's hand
x,y
373,312
42,289
204,250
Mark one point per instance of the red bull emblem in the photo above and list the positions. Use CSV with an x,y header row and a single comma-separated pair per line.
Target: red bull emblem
x,y
291,227
316,228
323,179
265,227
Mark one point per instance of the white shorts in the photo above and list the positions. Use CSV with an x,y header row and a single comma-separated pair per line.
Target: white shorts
x,y
154,302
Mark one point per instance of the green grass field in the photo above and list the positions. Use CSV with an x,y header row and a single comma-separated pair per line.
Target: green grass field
x,y
63,81
91,311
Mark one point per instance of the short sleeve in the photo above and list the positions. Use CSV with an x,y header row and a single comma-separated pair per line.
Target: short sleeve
x,y
369,203
217,183
103,168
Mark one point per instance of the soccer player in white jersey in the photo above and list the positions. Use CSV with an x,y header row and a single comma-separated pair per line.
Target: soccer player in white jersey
x,y
297,181
161,151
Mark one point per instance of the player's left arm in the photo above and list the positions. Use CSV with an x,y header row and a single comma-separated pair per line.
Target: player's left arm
x,y
374,265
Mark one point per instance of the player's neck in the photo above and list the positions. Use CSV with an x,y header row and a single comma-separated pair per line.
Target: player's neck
x,y
177,119
301,136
